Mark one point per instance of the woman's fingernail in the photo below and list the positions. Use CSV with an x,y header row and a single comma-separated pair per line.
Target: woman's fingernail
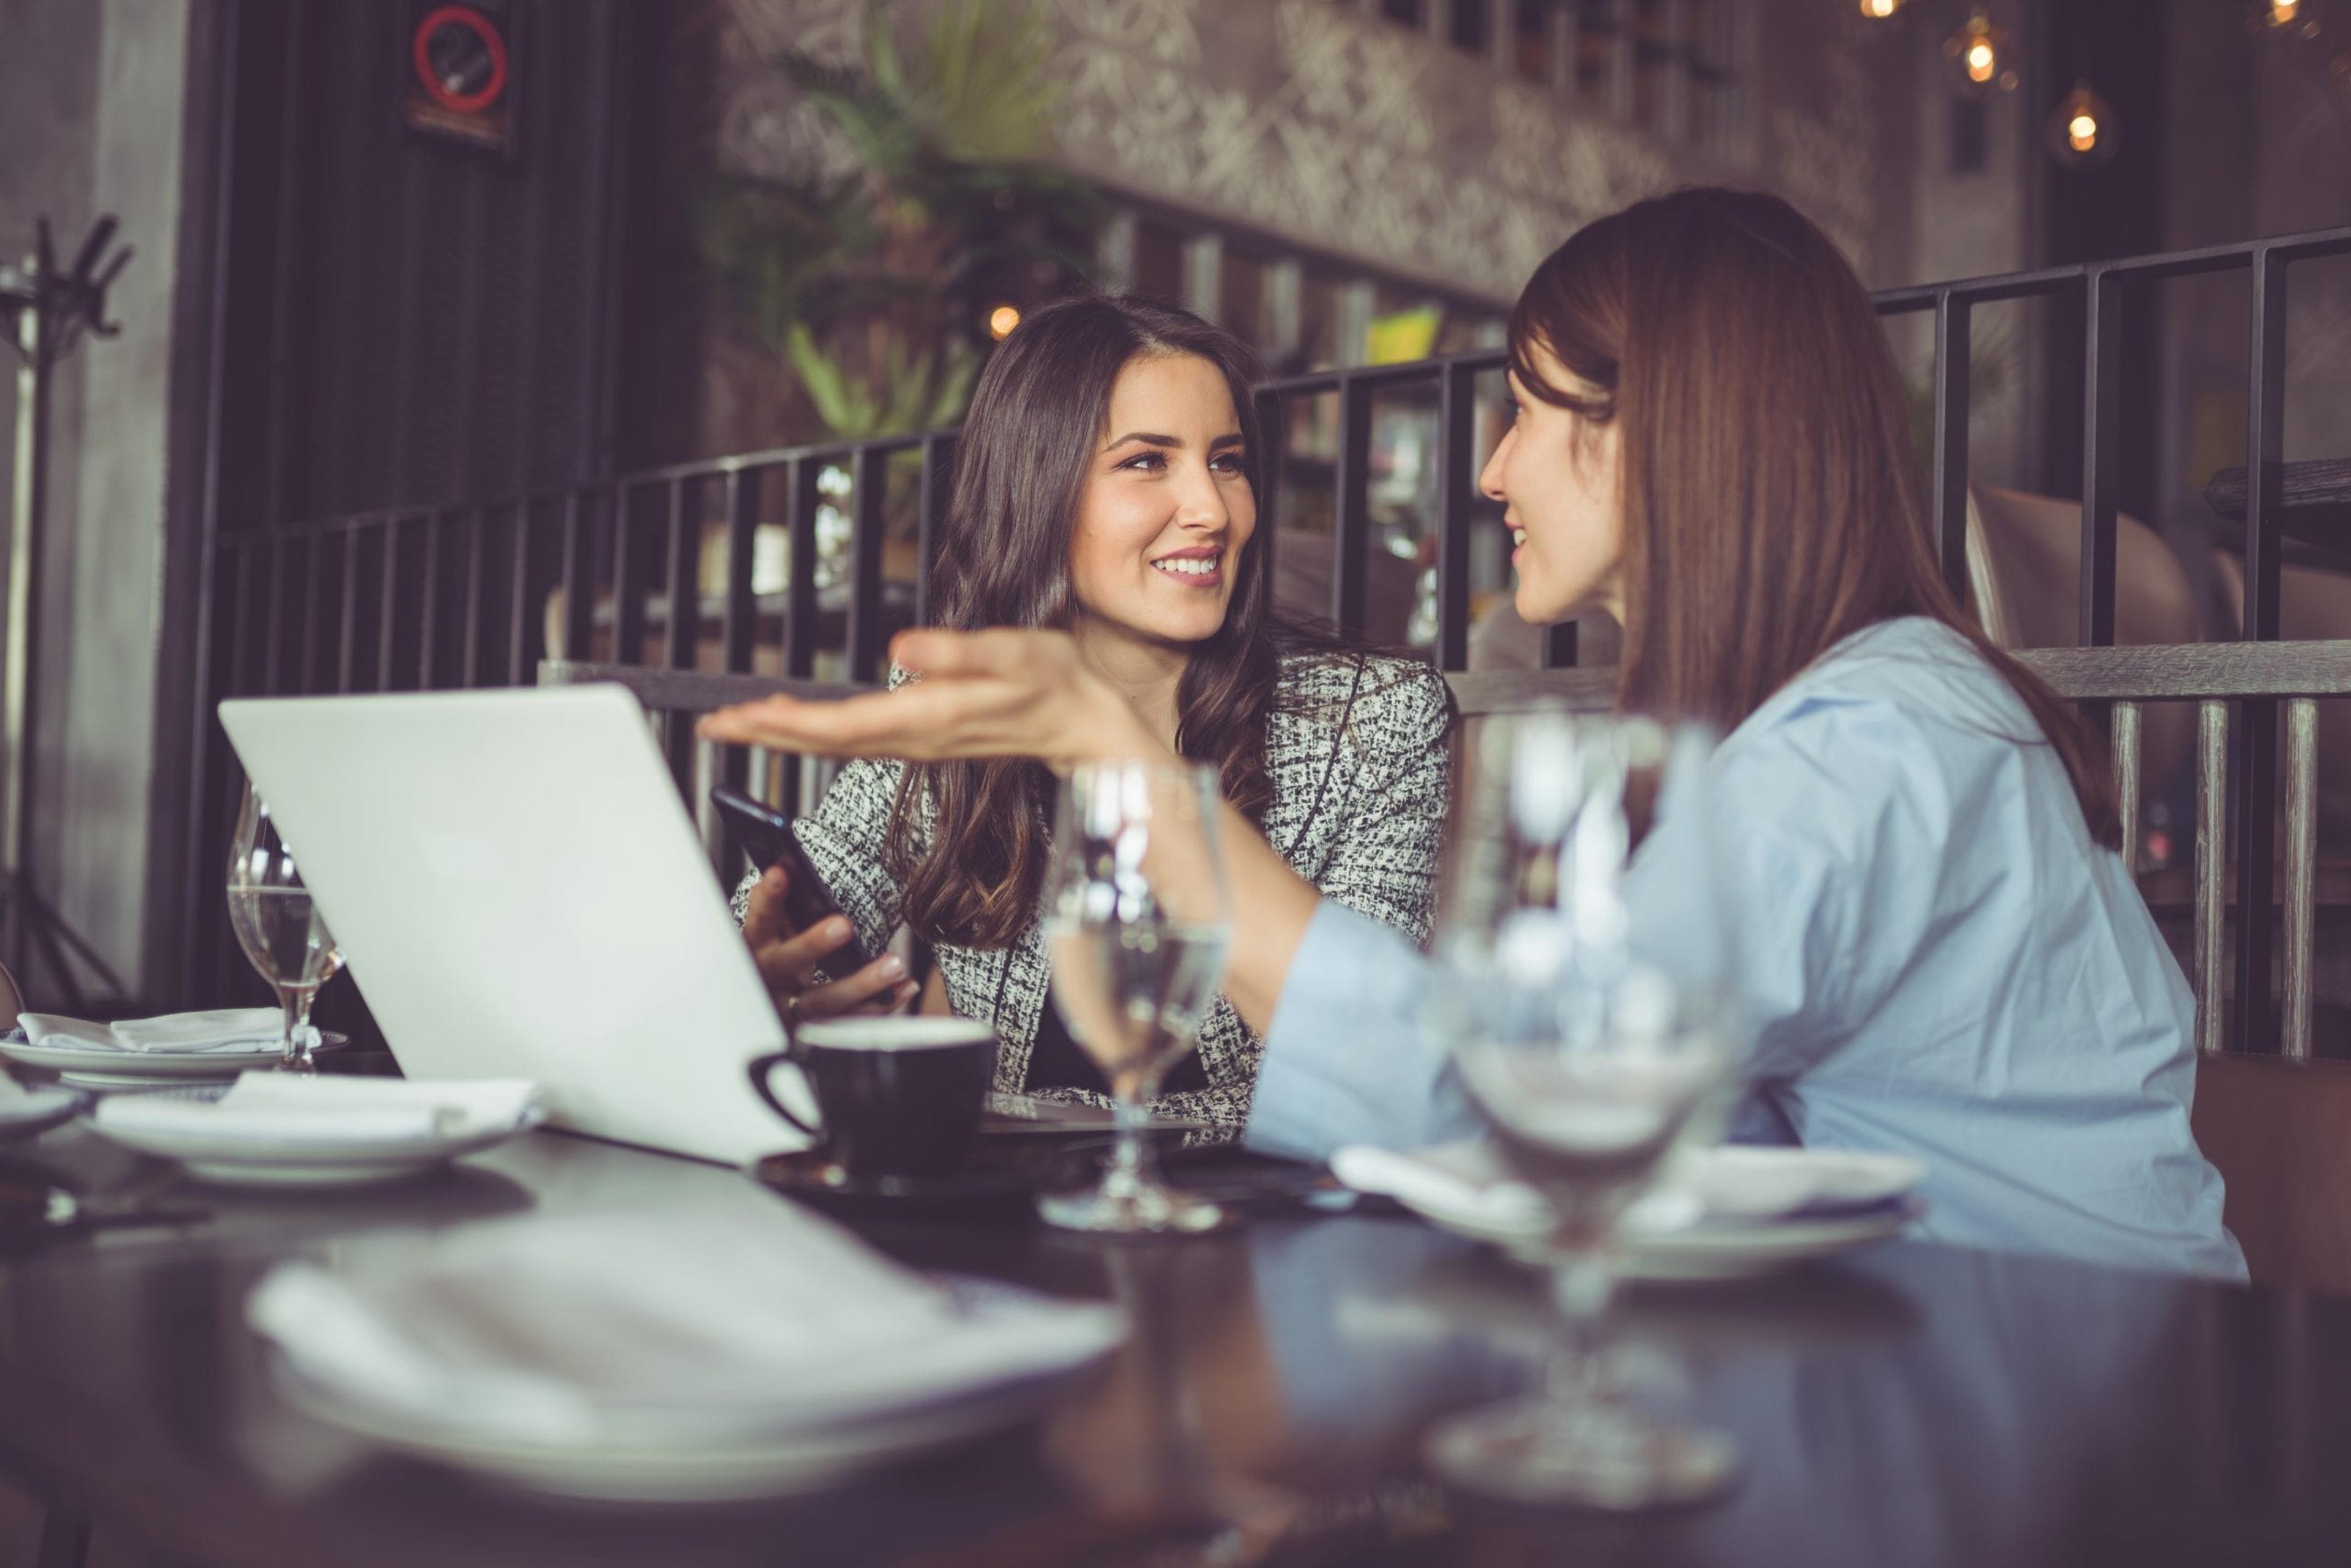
x,y
893,967
836,929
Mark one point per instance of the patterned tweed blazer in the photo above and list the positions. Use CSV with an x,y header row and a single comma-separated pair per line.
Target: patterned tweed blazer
x,y
1357,749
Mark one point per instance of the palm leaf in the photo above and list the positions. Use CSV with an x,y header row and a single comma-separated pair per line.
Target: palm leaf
x,y
982,82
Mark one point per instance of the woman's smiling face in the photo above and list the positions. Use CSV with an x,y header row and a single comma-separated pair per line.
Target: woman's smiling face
x,y
1167,506
1558,476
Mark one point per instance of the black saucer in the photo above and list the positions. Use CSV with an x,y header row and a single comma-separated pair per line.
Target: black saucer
x,y
1001,1179
1004,1176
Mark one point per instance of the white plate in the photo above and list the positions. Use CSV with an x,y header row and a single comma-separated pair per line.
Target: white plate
x,y
97,1067
38,1110
308,1162
1707,1252
667,1473
693,1471
1708,1249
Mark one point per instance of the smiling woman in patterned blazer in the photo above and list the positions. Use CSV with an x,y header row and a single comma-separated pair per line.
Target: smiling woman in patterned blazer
x,y
1106,486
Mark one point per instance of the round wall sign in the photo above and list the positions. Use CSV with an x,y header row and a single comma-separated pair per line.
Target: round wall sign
x,y
461,59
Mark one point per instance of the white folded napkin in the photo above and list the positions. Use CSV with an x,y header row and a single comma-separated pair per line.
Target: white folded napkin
x,y
1466,1181
284,1107
228,1029
655,1327
1742,1181
1733,1183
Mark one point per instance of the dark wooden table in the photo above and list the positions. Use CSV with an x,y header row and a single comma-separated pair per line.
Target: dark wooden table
x,y
2315,507
1915,1405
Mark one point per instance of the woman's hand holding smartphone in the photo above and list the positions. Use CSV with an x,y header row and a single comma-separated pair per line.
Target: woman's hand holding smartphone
x,y
795,929
788,959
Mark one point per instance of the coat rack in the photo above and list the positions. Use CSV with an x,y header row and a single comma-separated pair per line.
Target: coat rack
x,y
48,311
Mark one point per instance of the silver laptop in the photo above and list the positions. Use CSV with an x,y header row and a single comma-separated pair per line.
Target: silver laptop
x,y
519,890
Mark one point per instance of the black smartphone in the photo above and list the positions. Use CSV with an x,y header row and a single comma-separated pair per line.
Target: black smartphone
x,y
766,836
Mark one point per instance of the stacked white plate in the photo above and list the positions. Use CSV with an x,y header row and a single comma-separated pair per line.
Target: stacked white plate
x,y
1726,1213
726,1352
172,1051
282,1129
24,1112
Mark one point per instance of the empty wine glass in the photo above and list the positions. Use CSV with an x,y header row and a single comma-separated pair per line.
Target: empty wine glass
x,y
1136,921
278,925
1586,988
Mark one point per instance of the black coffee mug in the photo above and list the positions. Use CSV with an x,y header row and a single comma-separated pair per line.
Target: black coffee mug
x,y
897,1096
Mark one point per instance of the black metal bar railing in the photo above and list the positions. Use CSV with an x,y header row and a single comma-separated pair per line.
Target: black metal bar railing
x,y
526,535
838,592
938,485
799,615
2253,738
1270,413
388,602
2100,453
2254,761
1457,412
1947,498
866,632
740,623
1351,512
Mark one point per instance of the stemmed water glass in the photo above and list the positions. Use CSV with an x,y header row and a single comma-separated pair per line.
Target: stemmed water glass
x,y
1585,988
278,925
1136,921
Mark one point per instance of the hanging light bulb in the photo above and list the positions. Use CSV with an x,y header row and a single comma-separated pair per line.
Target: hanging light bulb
x,y
2284,21
1981,49
2082,130
1878,10
1002,321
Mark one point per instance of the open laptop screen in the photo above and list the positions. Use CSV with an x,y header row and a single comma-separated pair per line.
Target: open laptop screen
x,y
519,890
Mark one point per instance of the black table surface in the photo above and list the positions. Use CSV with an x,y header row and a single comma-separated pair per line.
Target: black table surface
x,y
1913,1404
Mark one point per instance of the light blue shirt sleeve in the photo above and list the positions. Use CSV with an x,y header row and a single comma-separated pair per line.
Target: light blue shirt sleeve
x,y
1345,1061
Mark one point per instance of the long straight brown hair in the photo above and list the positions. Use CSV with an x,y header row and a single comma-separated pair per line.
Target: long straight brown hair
x,y
1771,496
1038,416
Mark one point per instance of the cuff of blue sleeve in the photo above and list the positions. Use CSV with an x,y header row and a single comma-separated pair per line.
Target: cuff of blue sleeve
x,y
1345,1061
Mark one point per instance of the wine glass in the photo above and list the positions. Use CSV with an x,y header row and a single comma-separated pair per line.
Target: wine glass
x,y
1585,988
1136,921
278,925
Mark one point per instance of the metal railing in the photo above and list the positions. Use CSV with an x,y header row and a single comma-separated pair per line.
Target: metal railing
x,y
420,598
2254,757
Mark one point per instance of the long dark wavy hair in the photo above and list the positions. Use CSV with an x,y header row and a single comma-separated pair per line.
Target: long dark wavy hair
x,y
1772,500
1038,417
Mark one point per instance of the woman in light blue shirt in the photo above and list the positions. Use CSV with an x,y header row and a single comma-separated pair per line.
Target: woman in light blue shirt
x,y
1947,958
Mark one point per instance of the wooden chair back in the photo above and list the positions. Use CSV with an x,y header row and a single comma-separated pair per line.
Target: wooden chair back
x,y
2280,1132
2024,571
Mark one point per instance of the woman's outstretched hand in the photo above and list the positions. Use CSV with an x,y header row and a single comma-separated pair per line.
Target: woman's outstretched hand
x,y
980,693
1025,694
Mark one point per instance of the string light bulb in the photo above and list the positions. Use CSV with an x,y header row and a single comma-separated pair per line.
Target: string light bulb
x,y
1980,50
1878,10
2283,20
1002,321
2082,130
